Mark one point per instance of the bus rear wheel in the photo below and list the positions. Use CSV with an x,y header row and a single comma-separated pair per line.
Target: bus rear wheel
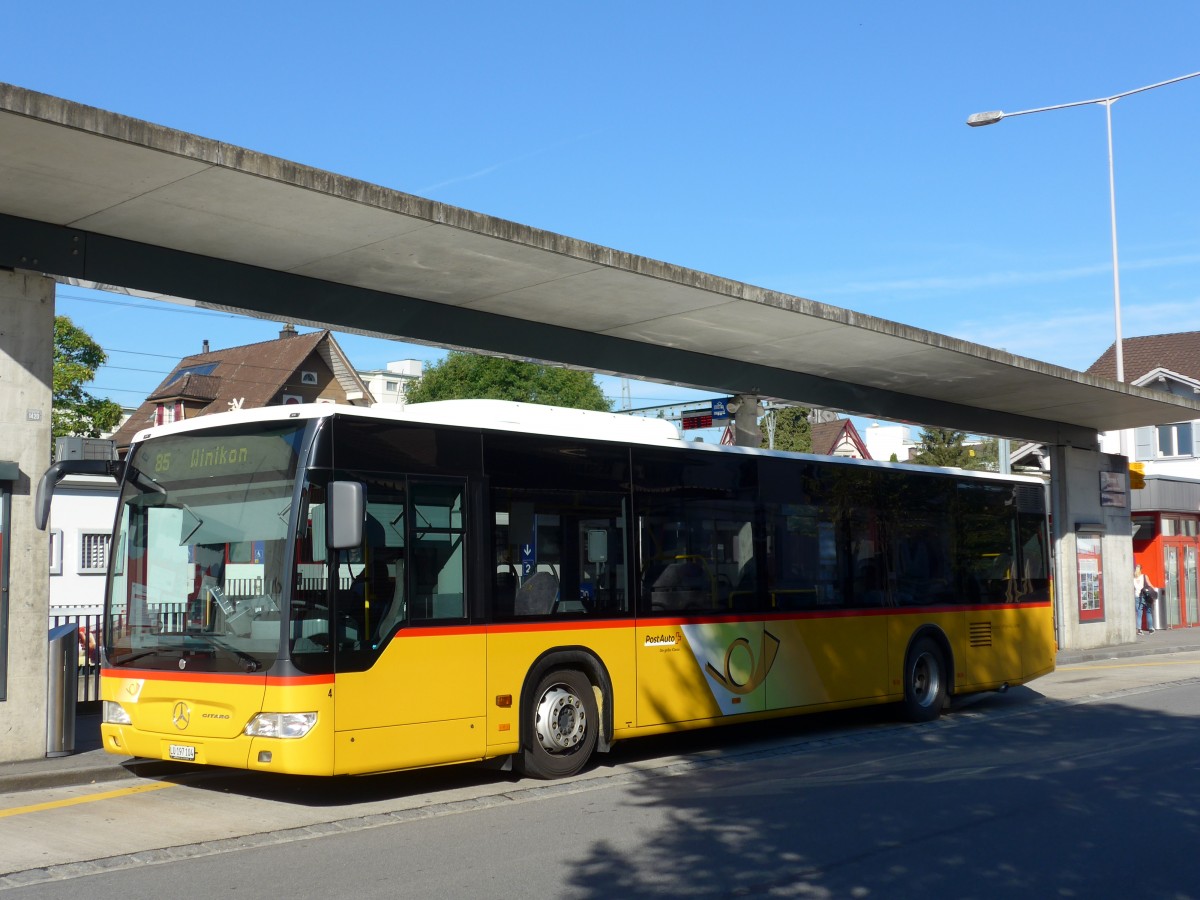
x,y
924,681
562,726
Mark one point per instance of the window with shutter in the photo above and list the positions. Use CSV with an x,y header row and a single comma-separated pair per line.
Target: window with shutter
x,y
93,551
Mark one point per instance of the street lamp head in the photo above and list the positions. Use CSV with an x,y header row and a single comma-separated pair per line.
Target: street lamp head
x,y
985,118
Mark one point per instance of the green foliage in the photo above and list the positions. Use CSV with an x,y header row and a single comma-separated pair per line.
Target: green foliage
x,y
987,455
792,430
76,359
942,447
467,376
946,447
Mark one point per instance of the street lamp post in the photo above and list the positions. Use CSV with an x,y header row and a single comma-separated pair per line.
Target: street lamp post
x,y
991,118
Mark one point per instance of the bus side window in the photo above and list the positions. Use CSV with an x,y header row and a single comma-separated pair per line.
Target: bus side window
x,y
438,558
310,619
558,554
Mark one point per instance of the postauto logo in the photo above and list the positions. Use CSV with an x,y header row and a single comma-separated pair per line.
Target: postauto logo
x,y
664,640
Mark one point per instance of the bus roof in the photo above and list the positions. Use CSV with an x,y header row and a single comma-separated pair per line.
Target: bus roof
x,y
497,415
531,418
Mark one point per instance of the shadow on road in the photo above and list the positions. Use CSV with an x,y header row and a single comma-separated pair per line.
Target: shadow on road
x,y
348,791
1009,795
1076,801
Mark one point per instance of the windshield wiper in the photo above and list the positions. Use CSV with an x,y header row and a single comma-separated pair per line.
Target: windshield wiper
x,y
124,660
252,663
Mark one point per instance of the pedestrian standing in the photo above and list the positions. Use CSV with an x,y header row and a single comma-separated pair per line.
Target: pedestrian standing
x,y
1144,595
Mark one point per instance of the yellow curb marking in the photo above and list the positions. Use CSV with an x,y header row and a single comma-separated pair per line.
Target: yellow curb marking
x,y
75,801
1142,665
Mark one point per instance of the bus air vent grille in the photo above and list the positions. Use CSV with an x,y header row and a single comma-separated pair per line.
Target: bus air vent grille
x,y
1031,498
981,634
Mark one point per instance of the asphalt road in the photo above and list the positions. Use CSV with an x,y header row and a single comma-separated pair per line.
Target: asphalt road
x,y
1085,784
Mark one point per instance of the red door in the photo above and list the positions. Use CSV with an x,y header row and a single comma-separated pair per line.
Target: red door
x,y
1179,604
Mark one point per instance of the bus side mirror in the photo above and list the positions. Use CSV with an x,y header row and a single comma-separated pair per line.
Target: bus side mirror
x,y
345,511
55,474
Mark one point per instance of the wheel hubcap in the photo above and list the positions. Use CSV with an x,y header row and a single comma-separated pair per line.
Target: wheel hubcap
x,y
925,680
561,722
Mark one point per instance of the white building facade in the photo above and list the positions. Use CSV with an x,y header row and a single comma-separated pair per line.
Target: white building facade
x,y
389,386
80,531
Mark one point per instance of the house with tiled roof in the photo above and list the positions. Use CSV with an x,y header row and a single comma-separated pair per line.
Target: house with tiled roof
x,y
1159,362
1179,352
294,368
838,438
1166,512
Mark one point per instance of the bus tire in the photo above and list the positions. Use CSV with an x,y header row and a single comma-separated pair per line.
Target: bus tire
x,y
562,724
925,687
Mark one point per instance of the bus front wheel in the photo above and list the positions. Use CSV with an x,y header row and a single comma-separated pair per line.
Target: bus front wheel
x,y
562,725
924,681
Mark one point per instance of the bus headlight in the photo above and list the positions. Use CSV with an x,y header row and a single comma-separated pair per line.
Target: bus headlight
x,y
114,714
281,725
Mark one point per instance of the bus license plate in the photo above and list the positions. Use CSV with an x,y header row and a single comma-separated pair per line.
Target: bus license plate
x,y
181,751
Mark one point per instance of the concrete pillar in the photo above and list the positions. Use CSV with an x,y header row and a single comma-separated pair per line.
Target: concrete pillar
x,y
1079,513
746,432
26,366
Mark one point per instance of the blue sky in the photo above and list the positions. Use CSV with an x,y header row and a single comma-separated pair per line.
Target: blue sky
x,y
816,149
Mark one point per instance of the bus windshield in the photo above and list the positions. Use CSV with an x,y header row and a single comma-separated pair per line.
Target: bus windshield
x,y
198,565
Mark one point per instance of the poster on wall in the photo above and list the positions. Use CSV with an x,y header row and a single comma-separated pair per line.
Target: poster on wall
x,y
1113,489
1091,582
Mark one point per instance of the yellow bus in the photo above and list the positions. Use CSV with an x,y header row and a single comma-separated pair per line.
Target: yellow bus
x,y
324,590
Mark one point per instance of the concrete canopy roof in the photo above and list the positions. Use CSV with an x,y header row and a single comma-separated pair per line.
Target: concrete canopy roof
x,y
99,198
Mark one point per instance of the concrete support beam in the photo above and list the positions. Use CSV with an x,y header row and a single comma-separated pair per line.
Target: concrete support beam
x,y
26,366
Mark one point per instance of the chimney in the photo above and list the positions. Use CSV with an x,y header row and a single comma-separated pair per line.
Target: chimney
x,y
287,331
205,350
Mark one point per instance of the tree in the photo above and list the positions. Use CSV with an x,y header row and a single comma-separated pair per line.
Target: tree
x,y
467,376
942,447
792,429
987,455
76,358
946,447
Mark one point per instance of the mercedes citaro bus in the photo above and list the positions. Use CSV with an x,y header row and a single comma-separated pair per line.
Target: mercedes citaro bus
x,y
329,590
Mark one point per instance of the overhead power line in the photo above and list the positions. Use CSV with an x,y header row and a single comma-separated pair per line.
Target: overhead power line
x,y
156,306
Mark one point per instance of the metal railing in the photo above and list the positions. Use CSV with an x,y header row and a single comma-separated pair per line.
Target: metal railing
x,y
167,616
89,627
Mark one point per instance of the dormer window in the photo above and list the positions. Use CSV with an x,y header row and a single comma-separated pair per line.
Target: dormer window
x,y
167,412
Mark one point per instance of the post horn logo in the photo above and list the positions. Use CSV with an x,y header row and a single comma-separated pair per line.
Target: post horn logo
x,y
181,715
732,678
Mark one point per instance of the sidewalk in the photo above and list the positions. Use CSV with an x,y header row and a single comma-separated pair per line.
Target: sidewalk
x,y
1171,640
91,765
87,765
